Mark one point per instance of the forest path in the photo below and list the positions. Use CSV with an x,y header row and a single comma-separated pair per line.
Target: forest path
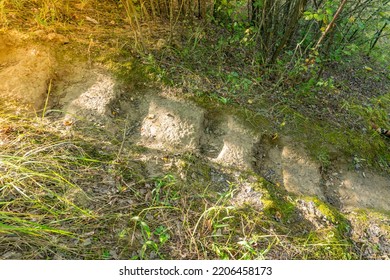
x,y
162,121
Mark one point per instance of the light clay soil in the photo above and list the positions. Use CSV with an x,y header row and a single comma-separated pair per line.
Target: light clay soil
x,y
161,121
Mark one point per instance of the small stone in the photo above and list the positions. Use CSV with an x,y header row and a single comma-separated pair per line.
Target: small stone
x,y
91,20
161,43
8,255
87,242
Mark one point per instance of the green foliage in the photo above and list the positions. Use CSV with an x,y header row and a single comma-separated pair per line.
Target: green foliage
x,y
238,84
321,15
163,194
223,11
149,244
324,158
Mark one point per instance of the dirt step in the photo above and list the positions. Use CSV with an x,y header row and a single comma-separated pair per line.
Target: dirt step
x,y
228,142
163,122
25,71
284,163
90,98
172,125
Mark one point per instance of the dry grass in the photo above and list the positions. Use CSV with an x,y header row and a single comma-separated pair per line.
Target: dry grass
x,y
65,197
80,193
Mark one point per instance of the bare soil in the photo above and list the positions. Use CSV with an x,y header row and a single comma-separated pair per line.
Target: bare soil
x,y
160,120
25,71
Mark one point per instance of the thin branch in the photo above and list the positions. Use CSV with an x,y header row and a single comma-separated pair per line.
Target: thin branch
x,y
330,25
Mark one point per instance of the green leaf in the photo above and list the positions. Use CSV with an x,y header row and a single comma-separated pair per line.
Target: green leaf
x,y
159,230
164,238
319,17
152,245
308,15
329,12
145,229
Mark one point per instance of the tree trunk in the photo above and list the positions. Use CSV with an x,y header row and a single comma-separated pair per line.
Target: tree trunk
x,y
291,28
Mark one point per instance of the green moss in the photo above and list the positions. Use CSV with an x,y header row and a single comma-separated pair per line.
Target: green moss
x,y
207,102
326,245
276,203
129,70
365,217
326,143
341,223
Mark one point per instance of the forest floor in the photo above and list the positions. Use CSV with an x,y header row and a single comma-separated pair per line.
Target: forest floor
x,y
184,152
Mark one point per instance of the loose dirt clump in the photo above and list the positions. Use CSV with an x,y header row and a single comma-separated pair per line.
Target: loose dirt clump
x,y
172,125
363,189
288,165
25,71
238,142
90,97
